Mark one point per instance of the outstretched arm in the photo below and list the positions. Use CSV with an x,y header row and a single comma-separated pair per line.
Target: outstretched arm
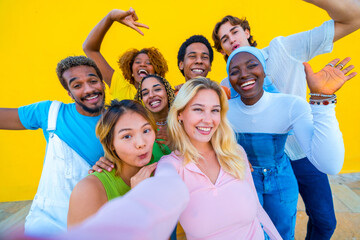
x,y
93,42
345,13
317,129
9,119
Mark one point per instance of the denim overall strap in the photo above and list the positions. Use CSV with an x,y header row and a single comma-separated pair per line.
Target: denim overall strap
x,y
63,169
52,116
263,149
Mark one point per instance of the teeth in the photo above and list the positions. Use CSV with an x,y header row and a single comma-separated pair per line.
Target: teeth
x,y
154,103
248,83
205,129
143,71
198,70
93,97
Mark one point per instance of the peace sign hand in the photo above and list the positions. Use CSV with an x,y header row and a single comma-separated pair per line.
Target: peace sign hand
x,y
329,79
128,18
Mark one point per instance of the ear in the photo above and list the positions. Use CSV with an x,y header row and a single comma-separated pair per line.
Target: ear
x,y
180,116
70,95
247,33
181,65
222,52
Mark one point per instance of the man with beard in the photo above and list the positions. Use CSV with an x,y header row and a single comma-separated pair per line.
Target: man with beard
x,y
72,146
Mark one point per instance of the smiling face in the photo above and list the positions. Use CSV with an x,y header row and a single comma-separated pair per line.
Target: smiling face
x,y
142,67
246,76
196,61
201,117
133,140
154,95
86,89
232,37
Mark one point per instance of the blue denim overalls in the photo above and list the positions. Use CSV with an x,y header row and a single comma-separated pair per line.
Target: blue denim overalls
x,y
63,169
274,178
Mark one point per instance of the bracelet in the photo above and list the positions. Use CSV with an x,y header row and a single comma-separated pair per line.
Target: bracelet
x,y
327,101
321,95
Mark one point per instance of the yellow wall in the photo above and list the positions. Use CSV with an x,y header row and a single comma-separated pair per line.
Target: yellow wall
x,y
35,35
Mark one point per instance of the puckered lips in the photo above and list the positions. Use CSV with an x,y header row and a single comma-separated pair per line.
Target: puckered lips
x,y
235,46
92,98
143,73
143,156
204,130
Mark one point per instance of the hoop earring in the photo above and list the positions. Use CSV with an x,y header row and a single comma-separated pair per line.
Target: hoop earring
x,y
180,121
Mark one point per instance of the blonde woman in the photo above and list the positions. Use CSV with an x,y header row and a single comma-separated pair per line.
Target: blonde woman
x,y
223,200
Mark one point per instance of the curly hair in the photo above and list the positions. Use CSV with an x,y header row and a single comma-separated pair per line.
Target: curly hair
x,y
169,91
157,60
74,61
233,21
190,40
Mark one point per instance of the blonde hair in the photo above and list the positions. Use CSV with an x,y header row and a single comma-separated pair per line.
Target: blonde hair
x,y
106,126
228,153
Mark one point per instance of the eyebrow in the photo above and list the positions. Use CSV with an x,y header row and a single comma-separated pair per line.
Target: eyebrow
x,y
74,78
196,52
202,105
229,31
247,62
128,129
155,85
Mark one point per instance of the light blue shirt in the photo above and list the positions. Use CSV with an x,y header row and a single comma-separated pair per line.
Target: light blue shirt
x,y
284,57
77,130
315,127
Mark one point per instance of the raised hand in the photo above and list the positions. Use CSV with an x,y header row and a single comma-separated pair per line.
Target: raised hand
x,y
128,18
329,79
142,174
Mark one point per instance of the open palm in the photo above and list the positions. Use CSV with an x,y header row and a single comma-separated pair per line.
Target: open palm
x,y
329,79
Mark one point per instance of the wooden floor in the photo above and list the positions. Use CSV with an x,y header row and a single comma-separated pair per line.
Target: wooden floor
x,y
346,194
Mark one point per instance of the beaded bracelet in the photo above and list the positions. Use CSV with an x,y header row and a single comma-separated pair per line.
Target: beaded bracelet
x,y
321,95
327,101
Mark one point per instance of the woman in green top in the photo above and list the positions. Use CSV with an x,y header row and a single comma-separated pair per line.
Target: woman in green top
x,y
127,132
157,95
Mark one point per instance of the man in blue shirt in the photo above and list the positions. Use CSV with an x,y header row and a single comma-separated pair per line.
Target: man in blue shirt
x,y
72,146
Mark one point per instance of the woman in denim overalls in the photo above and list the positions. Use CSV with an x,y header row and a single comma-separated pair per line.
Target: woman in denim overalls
x,y
263,120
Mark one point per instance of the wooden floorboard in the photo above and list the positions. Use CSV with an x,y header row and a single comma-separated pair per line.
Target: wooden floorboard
x,y
346,195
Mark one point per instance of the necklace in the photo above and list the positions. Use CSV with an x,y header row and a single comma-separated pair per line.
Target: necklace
x,y
161,123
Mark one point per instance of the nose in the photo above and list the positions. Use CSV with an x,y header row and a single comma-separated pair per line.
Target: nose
x,y
207,117
231,39
143,64
199,60
244,73
88,89
151,94
139,142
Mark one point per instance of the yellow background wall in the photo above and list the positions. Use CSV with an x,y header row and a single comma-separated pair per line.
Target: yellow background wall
x,y
35,35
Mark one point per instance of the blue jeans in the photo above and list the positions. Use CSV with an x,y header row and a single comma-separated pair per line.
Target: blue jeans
x,y
278,193
315,191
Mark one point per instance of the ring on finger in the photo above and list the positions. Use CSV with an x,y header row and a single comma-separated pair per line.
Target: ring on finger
x,y
341,65
330,64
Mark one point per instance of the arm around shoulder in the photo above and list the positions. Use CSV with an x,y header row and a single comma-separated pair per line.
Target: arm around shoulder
x,y
86,199
10,120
